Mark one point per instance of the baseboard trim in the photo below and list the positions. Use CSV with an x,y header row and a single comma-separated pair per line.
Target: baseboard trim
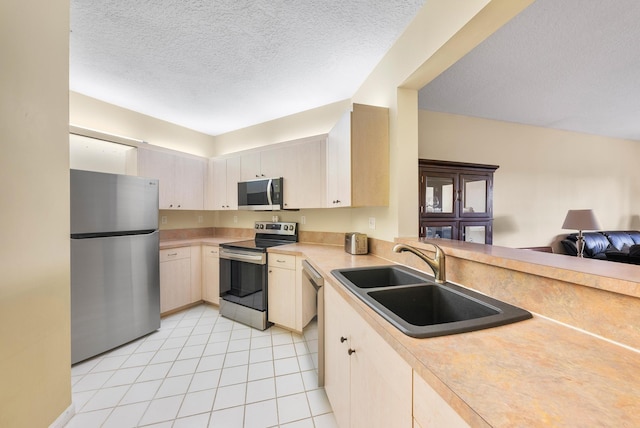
x,y
64,417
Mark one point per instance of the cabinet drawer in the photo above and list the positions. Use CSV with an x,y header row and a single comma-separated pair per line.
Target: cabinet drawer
x,y
282,261
175,254
210,251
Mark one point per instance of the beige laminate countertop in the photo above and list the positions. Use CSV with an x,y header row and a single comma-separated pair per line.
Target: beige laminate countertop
x,y
176,243
532,373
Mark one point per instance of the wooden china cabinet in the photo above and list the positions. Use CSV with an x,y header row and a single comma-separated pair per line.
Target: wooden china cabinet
x,y
456,200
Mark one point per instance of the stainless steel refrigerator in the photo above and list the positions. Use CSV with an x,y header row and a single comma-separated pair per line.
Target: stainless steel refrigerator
x,y
115,267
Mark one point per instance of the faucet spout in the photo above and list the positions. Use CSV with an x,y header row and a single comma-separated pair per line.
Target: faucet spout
x,y
436,264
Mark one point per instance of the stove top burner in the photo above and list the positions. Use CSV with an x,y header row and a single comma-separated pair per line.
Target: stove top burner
x,y
255,244
268,234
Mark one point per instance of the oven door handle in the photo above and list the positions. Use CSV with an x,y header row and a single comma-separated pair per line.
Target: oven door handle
x,y
257,258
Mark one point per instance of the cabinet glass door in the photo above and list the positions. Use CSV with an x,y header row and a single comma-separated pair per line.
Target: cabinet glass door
x,y
439,194
477,231
474,195
436,230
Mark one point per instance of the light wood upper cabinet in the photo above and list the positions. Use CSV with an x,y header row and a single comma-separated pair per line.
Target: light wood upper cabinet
x,y
266,163
368,384
222,183
358,158
305,177
181,177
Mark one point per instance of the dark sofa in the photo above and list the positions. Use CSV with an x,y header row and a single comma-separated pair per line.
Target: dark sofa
x,y
615,245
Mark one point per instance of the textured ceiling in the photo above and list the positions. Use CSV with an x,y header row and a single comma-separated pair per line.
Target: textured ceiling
x,y
216,66
570,64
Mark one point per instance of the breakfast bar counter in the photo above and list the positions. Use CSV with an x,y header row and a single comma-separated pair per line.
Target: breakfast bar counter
x,y
537,372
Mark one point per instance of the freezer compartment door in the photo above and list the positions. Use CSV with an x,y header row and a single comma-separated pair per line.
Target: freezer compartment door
x,y
103,202
115,292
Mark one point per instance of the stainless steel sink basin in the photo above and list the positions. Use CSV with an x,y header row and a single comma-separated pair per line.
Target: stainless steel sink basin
x,y
417,306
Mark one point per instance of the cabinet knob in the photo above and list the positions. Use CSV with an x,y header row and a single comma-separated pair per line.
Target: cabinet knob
x,y
342,339
351,351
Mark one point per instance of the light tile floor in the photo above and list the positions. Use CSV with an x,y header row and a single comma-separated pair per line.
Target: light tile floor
x,y
202,370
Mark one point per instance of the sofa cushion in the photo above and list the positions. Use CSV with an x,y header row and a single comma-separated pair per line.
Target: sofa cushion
x,y
619,239
635,235
634,250
595,244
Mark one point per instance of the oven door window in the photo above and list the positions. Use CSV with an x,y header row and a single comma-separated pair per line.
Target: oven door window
x,y
244,283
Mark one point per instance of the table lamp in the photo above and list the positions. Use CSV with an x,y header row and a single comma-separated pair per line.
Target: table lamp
x,y
580,220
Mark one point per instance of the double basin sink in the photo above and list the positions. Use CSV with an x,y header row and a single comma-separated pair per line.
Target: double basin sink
x,y
419,307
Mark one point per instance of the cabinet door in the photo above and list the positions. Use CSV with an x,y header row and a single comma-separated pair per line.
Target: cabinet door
x,y
282,297
439,194
216,185
189,183
272,162
439,229
339,163
336,357
175,281
156,164
476,231
233,177
305,179
210,274
195,284
476,195
431,410
380,381
250,166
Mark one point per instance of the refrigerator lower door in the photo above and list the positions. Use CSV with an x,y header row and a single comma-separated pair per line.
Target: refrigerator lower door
x,y
115,292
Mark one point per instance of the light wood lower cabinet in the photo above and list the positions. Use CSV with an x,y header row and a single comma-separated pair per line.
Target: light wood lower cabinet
x,y
292,301
210,274
175,278
180,277
196,273
431,410
282,290
368,384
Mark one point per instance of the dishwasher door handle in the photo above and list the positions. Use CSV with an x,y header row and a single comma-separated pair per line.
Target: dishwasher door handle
x,y
314,277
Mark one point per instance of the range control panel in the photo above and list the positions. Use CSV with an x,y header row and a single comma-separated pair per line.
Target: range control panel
x,y
276,228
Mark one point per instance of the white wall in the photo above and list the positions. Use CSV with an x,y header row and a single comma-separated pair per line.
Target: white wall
x,y
93,114
543,173
35,350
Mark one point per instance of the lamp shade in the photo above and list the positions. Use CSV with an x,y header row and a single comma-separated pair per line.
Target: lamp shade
x,y
581,220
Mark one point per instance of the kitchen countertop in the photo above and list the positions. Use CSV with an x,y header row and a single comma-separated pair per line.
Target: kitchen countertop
x,y
205,240
536,372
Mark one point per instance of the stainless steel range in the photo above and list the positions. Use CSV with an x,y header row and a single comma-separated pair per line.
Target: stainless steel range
x,y
243,273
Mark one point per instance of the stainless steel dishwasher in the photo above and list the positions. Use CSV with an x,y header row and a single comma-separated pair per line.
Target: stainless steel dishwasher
x,y
311,278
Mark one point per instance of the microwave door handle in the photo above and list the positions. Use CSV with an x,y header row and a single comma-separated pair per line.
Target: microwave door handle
x,y
270,191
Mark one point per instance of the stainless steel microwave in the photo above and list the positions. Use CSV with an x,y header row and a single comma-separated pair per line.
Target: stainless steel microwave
x,y
263,194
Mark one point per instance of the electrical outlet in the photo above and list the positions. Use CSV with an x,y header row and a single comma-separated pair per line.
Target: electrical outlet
x,y
199,219
303,219
163,219
235,218
372,222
